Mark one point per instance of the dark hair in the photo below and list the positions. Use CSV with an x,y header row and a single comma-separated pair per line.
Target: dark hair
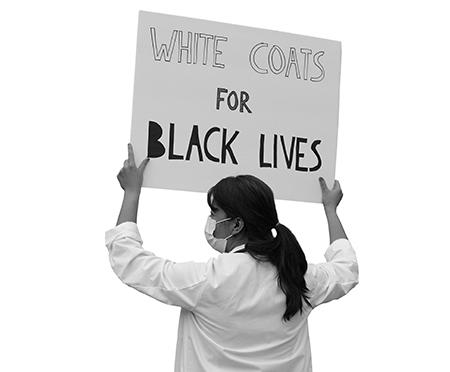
x,y
248,197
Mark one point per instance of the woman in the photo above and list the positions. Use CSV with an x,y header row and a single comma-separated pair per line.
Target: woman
x,y
246,309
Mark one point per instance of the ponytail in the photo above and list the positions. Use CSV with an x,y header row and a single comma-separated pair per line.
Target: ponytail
x,y
285,253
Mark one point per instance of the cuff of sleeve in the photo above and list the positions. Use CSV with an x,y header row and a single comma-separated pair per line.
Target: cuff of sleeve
x,y
125,229
339,247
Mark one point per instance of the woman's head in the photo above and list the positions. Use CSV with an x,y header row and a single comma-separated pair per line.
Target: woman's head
x,y
250,204
244,208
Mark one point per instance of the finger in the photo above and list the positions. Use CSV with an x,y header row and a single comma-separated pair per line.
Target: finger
x,y
130,154
125,162
143,164
323,185
336,185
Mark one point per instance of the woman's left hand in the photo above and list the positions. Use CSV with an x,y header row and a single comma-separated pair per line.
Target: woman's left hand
x,y
130,177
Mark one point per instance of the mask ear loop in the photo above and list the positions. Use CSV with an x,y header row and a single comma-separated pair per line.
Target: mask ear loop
x,y
228,237
225,219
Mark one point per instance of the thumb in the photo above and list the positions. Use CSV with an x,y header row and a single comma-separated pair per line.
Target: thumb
x,y
337,185
143,164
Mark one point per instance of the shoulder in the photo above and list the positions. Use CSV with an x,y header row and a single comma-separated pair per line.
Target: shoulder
x,y
227,265
232,261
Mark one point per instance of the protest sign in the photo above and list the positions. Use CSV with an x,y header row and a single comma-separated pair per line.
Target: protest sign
x,y
214,99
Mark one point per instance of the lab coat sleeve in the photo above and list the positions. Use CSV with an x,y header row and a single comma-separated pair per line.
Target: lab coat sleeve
x,y
334,278
173,283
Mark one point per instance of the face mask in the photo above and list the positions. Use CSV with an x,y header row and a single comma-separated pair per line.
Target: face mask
x,y
219,244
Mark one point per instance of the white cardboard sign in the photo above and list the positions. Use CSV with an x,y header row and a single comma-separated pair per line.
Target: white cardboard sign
x,y
214,99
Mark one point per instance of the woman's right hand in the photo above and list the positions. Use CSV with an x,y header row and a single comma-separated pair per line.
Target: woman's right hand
x,y
330,198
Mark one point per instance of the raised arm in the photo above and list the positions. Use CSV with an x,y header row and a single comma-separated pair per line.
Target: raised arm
x,y
173,283
330,201
130,179
334,278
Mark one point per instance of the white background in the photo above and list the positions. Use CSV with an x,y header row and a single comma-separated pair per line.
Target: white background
x,y
66,82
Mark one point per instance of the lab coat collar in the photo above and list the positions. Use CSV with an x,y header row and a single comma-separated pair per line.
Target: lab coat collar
x,y
237,248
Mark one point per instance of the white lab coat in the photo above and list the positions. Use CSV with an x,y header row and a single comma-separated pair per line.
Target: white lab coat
x,y
231,305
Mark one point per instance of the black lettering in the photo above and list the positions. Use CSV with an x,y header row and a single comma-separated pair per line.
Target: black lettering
x,y
299,154
262,164
289,158
155,149
236,102
194,141
205,144
219,98
226,146
275,141
319,160
173,156
243,102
